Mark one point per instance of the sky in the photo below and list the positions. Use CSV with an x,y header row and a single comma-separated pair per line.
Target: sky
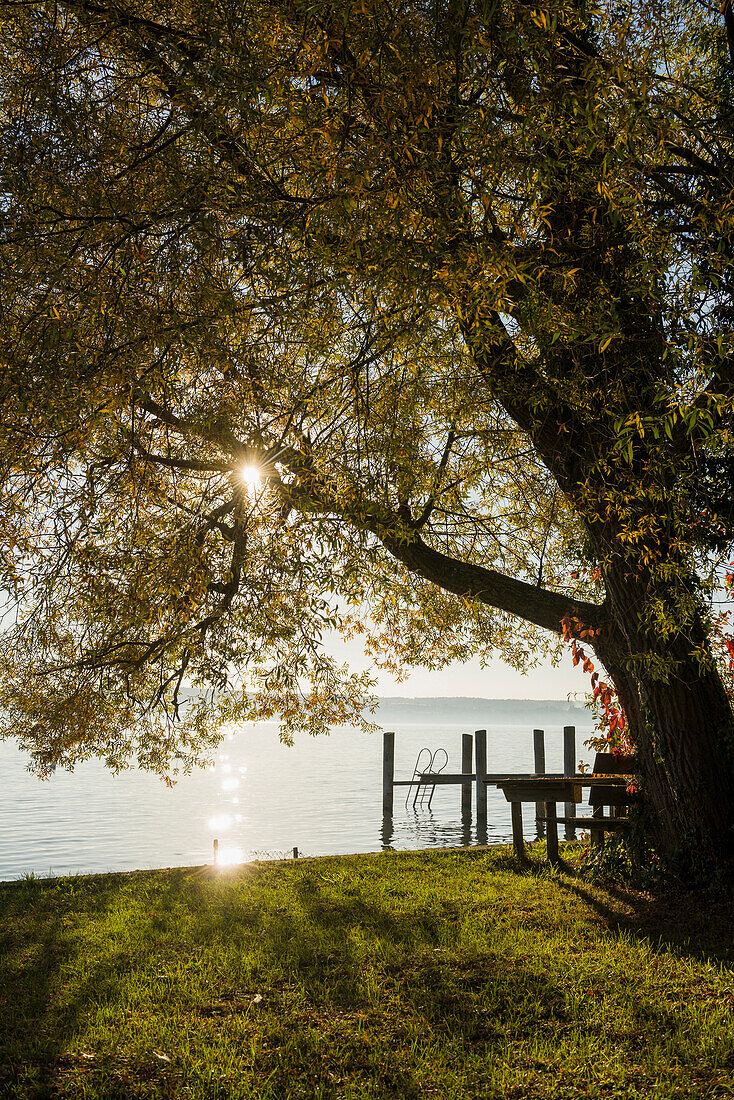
x,y
498,681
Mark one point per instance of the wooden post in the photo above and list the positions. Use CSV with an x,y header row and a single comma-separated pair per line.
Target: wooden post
x,y
539,755
387,831
466,755
480,741
466,828
569,768
517,838
551,827
597,835
295,853
216,851
388,772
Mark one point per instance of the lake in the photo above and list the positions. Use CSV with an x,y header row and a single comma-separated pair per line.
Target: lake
x,y
261,798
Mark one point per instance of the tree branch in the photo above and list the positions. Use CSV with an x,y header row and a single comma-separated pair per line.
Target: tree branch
x,y
535,605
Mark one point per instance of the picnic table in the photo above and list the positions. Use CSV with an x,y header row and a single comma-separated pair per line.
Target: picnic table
x,y
569,789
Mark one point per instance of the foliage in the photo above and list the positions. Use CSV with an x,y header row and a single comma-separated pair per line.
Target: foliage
x,y
613,864
611,721
452,282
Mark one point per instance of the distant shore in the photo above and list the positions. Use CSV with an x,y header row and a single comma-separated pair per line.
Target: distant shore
x,y
457,708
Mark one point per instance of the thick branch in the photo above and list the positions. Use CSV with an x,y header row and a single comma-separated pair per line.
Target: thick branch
x,y
182,463
529,602
517,387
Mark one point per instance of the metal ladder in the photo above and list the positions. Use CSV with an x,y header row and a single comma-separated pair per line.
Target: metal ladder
x,y
434,766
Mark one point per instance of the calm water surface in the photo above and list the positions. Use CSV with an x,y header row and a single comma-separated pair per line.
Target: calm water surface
x,y
260,799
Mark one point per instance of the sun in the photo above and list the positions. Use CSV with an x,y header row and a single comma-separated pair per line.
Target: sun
x,y
252,477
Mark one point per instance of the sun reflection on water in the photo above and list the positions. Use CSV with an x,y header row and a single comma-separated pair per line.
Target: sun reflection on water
x,y
228,857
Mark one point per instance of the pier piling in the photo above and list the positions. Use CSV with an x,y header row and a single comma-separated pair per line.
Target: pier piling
x,y
480,742
466,767
569,768
539,764
388,772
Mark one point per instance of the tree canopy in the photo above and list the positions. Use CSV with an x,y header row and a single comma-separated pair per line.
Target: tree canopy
x,y
310,309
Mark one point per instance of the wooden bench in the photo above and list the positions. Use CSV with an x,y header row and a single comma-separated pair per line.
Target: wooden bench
x,y
614,795
608,783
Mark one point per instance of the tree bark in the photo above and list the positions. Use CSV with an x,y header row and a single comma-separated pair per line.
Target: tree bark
x,y
682,729
680,716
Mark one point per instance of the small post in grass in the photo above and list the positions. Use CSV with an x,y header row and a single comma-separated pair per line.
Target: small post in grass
x,y
539,755
216,851
295,853
569,768
388,772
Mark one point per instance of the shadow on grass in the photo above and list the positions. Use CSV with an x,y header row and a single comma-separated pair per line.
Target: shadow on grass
x,y
690,923
53,972
321,969
423,996
695,923
457,999
37,945
358,984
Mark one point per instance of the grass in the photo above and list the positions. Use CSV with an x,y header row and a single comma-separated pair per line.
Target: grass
x,y
412,975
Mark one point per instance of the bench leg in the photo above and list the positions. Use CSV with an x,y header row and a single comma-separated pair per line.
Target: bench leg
x,y
597,835
517,838
551,832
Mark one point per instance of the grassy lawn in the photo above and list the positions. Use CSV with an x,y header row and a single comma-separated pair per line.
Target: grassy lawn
x,y
430,974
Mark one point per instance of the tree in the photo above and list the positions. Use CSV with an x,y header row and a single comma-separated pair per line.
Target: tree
x,y
452,281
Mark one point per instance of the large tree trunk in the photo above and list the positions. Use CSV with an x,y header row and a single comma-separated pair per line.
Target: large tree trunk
x,y
682,728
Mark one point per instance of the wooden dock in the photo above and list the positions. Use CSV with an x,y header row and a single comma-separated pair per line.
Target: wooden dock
x,y
474,774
